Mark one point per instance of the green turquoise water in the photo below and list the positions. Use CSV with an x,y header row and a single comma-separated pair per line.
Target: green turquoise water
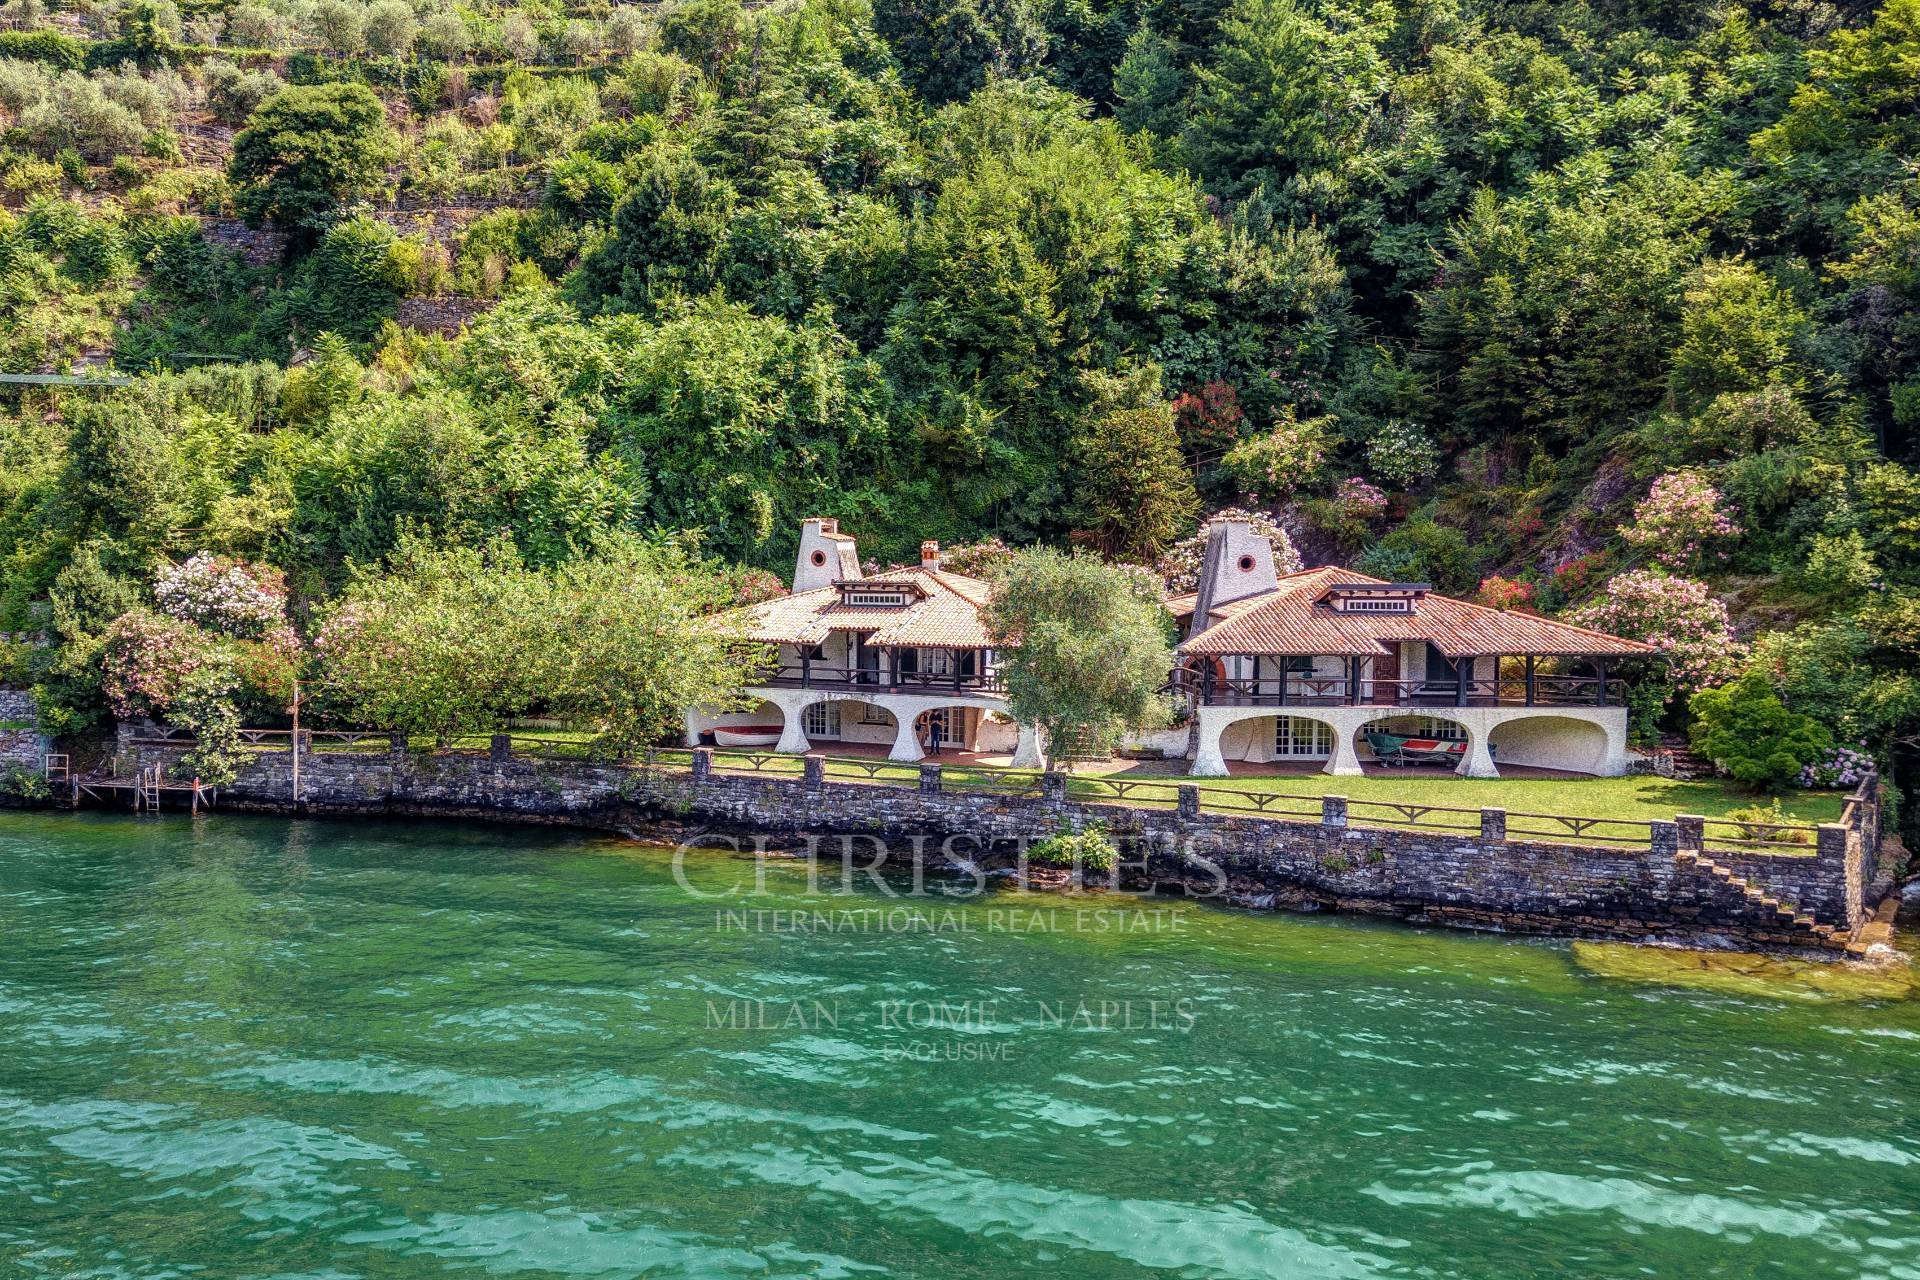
x,y
239,1047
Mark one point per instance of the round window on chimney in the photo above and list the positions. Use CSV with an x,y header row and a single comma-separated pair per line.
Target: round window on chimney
x,y
819,557
1246,564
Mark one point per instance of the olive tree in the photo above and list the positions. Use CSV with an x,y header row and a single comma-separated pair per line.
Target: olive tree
x,y
1085,647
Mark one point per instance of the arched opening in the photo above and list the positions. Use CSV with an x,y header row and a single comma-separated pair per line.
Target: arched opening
x,y
1552,742
848,720
1411,742
1278,740
963,728
759,726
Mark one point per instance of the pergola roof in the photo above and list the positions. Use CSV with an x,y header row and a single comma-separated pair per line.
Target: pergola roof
x,y
1295,620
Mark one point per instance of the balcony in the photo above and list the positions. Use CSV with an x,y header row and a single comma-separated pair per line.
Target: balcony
x,y
820,675
1211,690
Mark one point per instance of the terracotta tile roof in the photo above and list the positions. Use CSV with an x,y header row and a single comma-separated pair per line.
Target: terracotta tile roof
x,y
1291,620
947,615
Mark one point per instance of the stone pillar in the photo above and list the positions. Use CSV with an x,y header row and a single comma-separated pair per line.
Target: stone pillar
x,y
1333,811
1665,841
1053,788
1189,802
930,779
693,731
793,731
906,743
813,772
702,763
1479,761
1692,830
396,743
1493,826
501,748
306,742
1345,761
1027,755
1831,842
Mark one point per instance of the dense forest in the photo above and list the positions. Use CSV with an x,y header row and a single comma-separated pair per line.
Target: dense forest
x,y
1610,310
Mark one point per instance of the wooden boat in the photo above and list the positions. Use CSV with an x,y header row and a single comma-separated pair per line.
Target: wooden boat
x,y
746,735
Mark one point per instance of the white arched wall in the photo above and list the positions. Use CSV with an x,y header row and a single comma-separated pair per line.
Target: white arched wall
x,y
1587,740
791,705
1554,742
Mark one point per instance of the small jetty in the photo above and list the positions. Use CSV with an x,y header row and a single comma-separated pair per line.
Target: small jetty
x,y
147,791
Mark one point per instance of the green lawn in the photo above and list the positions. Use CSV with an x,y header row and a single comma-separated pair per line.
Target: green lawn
x,y
1638,798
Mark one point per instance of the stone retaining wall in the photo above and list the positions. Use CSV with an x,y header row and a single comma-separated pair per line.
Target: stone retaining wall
x,y
20,746
1480,881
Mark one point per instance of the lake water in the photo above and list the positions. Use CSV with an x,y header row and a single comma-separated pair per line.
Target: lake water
x,y
249,1047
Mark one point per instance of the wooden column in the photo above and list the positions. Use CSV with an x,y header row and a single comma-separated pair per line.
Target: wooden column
x,y
1530,667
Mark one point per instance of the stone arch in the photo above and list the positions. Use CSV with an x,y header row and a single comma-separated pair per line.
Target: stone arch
x,y
851,719
1554,742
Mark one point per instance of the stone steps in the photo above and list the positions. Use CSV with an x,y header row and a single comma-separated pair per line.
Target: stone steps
x,y
1784,913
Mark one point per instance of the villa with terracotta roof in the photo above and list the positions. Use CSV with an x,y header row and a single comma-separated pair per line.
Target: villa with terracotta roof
x,y
900,657
1333,666
1325,667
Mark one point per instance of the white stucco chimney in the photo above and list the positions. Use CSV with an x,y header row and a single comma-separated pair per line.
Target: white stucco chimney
x,y
1238,564
826,555
929,555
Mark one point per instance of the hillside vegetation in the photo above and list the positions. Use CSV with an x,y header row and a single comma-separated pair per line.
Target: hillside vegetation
x,y
1605,309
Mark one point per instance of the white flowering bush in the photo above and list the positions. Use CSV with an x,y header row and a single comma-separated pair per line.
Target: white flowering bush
x,y
227,596
1402,453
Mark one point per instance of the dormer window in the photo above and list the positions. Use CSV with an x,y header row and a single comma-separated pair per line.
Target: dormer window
x,y
1375,597
881,594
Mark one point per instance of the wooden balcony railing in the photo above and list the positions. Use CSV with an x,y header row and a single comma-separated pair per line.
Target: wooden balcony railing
x,y
821,675
1213,690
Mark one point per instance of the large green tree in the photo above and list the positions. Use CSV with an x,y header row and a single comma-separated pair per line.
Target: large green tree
x,y
307,149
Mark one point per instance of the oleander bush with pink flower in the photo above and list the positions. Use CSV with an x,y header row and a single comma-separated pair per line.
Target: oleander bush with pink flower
x,y
1681,520
1680,617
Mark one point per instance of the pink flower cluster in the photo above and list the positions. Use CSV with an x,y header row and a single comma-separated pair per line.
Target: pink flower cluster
x,y
1359,500
1678,518
1677,616
147,660
227,596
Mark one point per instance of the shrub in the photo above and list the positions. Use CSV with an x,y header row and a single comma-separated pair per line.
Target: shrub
x,y
1680,516
1749,734
24,784
1504,593
1679,617
49,47
1422,550
146,661
1286,458
227,596
1842,767
1402,453
1766,822
1087,850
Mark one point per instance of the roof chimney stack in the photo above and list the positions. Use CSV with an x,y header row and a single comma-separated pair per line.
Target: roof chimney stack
x,y
929,555
826,556
1237,564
